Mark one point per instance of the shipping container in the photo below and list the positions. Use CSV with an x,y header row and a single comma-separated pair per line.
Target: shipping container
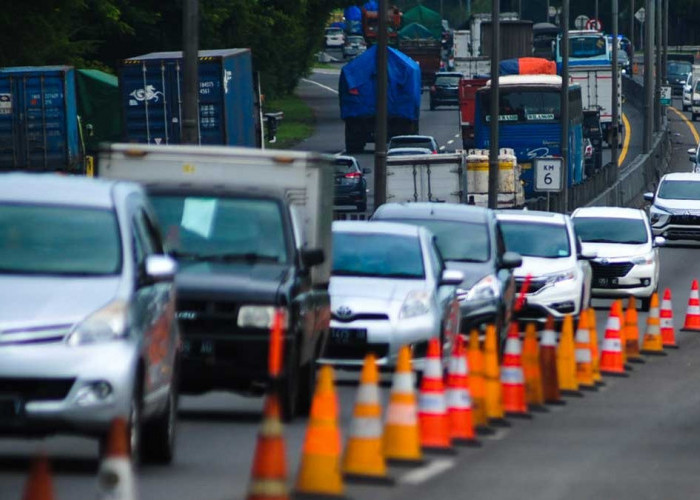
x,y
516,39
151,89
39,128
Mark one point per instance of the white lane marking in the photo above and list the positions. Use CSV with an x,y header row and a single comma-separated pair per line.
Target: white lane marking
x,y
320,85
450,141
498,434
457,135
431,470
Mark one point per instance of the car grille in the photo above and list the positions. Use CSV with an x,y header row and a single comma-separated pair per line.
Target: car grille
x,y
360,316
611,270
690,233
35,389
685,219
358,352
535,285
199,317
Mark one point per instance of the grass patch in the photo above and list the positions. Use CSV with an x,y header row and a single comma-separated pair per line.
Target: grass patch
x,y
297,124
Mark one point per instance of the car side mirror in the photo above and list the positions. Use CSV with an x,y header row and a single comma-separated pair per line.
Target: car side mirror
x,y
511,260
587,255
451,277
649,196
366,170
160,268
659,241
312,257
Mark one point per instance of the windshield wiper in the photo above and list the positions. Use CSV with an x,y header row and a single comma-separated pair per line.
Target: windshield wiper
x,y
464,260
226,257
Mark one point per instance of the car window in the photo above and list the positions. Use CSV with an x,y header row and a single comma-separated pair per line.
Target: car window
x,y
679,190
611,230
377,255
436,258
534,239
59,240
404,142
343,167
447,80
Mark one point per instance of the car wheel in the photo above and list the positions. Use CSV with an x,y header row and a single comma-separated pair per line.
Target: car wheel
x,y
307,386
289,387
158,444
685,108
646,304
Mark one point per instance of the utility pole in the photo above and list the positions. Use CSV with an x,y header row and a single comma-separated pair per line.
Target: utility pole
x,y
632,27
648,74
616,96
190,87
595,11
380,131
659,67
494,167
664,42
564,139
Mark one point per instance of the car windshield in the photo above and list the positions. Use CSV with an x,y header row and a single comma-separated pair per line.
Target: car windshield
x,y
679,68
611,230
377,255
226,229
525,106
532,239
58,240
447,80
343,167
679,190
356,39
457,240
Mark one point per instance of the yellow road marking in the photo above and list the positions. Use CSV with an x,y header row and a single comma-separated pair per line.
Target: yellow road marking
x,y
625,141
690,124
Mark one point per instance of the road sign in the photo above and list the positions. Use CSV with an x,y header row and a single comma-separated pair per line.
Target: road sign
x,y
666,95
548,174
581,21
594,24
640,15
5,104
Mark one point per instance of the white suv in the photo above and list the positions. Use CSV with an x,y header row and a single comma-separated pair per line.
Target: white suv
x,y
675,209
628,255
553,258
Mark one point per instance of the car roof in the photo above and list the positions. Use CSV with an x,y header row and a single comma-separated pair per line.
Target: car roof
x,y
609,213
681,176
55,189
410,150
345,158
426,210
394,228
532,216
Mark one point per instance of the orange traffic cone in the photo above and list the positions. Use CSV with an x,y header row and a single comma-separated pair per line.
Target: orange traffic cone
x,y
476,383
269,471
319,472
432,405
611,362
566,359
534,395
632,333
595,353
584,357
39,485
548,365
653,343
692,315
115,478
364,458
458,395
401,431
512,377
668,332
492,380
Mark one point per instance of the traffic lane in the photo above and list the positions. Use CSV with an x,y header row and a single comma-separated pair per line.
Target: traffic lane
x,y
635,118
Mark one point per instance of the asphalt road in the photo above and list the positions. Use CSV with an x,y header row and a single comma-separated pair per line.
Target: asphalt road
x,y
635,439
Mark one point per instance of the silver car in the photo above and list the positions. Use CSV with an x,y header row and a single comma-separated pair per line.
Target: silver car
x,y
87,328
389,287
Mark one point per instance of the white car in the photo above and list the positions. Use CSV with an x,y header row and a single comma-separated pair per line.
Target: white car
x,y
334,37
628,255
389,287
675,209
688,92
553,258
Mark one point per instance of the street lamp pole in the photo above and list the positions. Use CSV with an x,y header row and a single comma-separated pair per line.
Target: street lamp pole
x,y
190,56
494,109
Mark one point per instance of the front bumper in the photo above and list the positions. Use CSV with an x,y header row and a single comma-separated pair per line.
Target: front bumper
x,y
49,386
558,300
477,313
632,283
678,227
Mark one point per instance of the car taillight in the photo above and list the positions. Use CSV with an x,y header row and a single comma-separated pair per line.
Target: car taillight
x,y
432,88
353,175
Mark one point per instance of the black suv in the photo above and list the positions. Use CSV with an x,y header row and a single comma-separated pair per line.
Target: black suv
x,y
593,131
350,184
469,239
445,90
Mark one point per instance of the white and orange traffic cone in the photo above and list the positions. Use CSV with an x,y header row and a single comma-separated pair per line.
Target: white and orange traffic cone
x,y
432,405
611,360
692,315
653,344
548,364
39,485
115,478
512,376
584,356
459,399
668,331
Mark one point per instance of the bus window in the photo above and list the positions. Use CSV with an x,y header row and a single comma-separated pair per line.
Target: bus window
x,y
587,46
523,106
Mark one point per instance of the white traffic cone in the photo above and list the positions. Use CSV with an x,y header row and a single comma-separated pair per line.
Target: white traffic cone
x,y
115,479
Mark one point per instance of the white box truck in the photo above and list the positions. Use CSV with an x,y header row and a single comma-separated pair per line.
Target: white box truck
x,y
251,231
597,92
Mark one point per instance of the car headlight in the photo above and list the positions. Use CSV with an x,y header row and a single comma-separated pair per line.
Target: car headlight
x,y
643,259
486,288
559,277
417,303
104,325
258,317
658,215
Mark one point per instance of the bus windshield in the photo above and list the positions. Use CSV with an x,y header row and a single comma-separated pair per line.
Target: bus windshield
x,y
587,46
524,105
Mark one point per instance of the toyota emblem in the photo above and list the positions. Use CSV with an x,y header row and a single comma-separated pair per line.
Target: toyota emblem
x,y
343,312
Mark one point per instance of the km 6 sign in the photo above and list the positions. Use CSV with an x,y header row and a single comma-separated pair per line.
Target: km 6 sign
x,y
548,174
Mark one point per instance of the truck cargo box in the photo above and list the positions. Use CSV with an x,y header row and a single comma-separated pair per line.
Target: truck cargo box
x,y
516,39
436,178
39,119
151,88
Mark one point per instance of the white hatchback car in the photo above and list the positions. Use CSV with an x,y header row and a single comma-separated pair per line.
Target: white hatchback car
x,y
628,255
389,287
334,37
687,92
553,258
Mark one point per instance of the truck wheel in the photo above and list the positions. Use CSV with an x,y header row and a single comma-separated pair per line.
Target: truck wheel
x,y
432,106
289,388
353,144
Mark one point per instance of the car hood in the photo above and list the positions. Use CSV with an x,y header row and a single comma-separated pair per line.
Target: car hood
x,y
472,271
538,266
678,206
376,290
232,281
36,301
616,250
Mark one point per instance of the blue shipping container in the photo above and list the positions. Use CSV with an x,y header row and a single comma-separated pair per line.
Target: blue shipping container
x,y
151,89
39,119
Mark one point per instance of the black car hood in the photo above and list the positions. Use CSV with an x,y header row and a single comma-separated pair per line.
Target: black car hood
x,y
230,281
473,271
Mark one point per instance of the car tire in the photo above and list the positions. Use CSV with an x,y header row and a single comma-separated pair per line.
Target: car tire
x,y
307,386
289,386
158,442
685,108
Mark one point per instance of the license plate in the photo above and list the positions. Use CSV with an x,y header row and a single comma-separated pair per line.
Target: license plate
x,y
196,348
606,282
348,335
10,408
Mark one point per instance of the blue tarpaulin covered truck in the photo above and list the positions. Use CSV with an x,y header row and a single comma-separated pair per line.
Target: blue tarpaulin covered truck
x,y
358,97
151,87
